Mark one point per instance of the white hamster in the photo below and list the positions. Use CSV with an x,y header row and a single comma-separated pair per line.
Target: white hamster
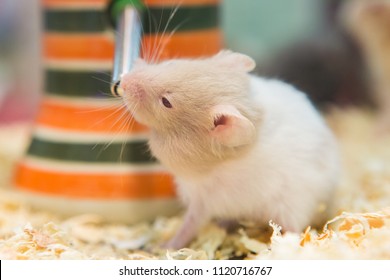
x,y
239,146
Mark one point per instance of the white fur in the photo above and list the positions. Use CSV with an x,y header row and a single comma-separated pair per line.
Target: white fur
x,y
293,167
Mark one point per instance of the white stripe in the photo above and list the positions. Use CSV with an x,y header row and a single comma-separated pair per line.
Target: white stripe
x,y
83,102
91,167
68,136
79,65
108,34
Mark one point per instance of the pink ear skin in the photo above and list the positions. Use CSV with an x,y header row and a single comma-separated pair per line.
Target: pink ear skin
x,y
235,60
231,129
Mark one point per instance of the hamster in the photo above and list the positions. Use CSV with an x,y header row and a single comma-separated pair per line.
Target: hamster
x,y
240,147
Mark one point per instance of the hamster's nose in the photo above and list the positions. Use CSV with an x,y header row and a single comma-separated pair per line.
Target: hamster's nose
x,y
131,85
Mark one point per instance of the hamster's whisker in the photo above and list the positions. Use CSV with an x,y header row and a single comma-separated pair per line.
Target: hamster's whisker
x,y
104,73
152,51
109,76
159,42
110,95
119,119
127,115
152,42
120,130
163,41
128,125
101,107
150,46
104,81
143,47
111,115
166,41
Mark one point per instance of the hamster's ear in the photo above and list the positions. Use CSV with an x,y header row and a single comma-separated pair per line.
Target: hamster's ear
x,y
231,129
235,60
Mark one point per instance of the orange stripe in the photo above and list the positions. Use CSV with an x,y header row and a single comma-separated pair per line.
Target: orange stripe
x,y
94,186
78,46
86,119
186,44
180,2
98,47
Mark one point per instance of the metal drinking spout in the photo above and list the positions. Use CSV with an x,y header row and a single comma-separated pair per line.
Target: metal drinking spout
x,y
127,42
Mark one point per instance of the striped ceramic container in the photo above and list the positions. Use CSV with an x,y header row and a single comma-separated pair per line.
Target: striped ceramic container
x,y
83,158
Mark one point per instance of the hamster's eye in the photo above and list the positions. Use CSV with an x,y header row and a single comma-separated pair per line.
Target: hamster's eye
x,y
166,102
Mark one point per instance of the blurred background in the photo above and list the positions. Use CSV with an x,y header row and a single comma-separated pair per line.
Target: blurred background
x,y
260,28
20,76
279,34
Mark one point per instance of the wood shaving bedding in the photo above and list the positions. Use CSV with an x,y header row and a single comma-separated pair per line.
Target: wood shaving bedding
x,y
360,228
